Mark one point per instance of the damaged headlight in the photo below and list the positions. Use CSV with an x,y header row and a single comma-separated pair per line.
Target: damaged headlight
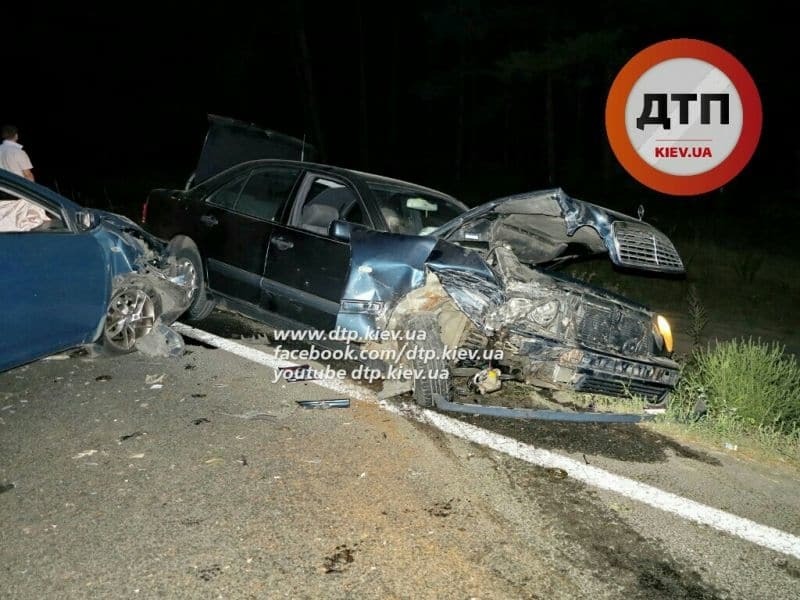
x,y
544,314
665,331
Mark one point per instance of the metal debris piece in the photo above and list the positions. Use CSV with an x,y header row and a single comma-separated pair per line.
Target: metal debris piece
x,y
200,421
151,379
338,403
242,460
5,487
103,378
131,436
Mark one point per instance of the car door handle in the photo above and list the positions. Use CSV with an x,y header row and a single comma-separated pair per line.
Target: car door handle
x,y
209,220
282,244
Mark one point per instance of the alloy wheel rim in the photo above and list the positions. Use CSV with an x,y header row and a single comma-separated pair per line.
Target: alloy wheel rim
x,y
130,316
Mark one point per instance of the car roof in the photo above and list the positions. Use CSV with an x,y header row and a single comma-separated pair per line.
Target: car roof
x,y
342,171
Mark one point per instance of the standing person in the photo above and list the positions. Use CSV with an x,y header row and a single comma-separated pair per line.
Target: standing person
x,y
12,157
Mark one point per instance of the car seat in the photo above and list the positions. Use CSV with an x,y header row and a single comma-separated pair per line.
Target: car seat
x,y
318,218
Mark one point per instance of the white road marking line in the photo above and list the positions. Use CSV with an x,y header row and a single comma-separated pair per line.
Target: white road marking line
x,y
762,535
263,358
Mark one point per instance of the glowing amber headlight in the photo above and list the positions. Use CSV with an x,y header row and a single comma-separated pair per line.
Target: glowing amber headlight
x,y
664,329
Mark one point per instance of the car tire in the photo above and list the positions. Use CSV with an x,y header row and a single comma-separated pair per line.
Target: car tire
x,y
182,249
430,386
131,314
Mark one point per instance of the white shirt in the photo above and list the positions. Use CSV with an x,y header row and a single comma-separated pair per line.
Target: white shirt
x,y
13,158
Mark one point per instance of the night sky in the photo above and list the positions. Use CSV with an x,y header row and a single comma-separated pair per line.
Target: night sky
x,y
448,94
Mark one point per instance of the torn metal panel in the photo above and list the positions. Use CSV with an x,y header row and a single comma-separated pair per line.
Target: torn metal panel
x,y
543,226
385,267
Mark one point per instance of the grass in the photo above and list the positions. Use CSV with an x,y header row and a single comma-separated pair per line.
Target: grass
x,y
741,392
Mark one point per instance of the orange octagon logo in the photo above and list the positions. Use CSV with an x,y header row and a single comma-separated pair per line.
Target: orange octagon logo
x,y
683,117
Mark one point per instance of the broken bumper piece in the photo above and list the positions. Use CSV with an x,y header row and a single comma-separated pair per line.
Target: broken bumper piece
x,y
590,371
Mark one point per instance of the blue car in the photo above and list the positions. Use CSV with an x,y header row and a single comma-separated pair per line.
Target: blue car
x,y
71,276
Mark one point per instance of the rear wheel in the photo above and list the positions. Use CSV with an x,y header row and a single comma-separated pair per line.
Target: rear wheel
x,y
427,359
190,266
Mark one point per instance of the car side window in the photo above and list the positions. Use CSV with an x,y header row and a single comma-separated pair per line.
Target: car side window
x,y
266,191
226,196
328,201
18,214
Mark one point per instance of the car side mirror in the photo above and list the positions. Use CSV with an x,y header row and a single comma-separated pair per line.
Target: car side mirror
x,y
86,220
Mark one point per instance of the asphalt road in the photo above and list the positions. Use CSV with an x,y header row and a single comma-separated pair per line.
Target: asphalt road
x,y
218,485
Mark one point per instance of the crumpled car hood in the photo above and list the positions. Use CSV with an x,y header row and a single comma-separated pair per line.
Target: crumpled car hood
x,y
543,226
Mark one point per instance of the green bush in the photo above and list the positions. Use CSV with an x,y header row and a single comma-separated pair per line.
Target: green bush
x,y
753,384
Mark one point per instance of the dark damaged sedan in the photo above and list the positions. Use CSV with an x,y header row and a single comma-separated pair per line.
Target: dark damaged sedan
x,y
73,275
302,245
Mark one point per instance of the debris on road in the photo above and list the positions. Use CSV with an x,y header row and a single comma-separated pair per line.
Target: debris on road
x,y
253,415
162,341
242,460
339,561
131,436
555,473
5,487
200,421
84,454
103,378
153,379
338,403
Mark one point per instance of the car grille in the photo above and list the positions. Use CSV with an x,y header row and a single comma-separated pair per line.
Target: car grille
x,y
639,245
611,328
624,388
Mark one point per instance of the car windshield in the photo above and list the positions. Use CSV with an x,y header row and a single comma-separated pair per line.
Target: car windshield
x,y
410,211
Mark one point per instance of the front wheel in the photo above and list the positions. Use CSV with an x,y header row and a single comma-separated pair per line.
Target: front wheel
x,y
432,372
131,315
